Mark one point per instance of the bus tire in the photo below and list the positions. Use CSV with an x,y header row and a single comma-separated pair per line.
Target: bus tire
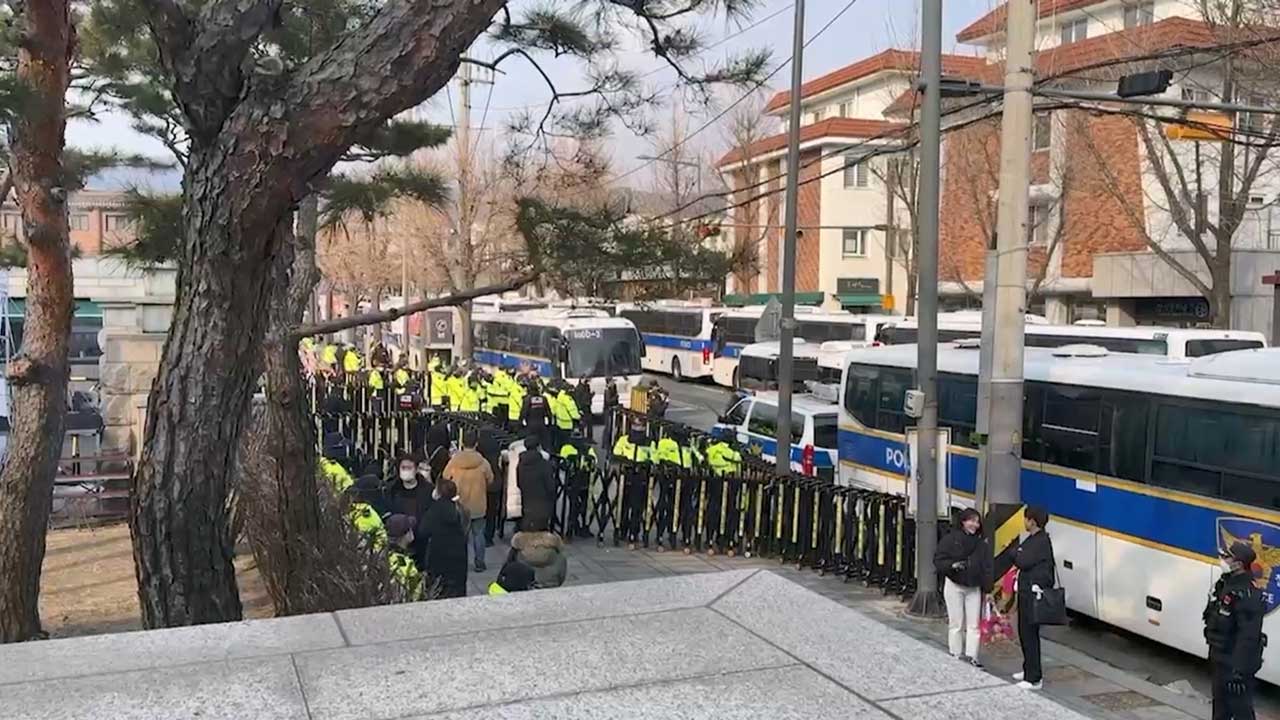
x,y
676,374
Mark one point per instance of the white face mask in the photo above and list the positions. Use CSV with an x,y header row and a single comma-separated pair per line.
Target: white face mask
x,y
424,470
1225,565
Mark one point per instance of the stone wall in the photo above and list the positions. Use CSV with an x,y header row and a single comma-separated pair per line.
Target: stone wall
x,y
134,335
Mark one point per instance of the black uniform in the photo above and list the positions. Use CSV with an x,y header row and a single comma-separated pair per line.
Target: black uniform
x,y
537,417
1035,563
1233,629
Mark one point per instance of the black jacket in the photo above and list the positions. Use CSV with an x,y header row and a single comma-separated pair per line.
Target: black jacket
x,y
1034,560
397,499
488,446
437,448
1233,624
442,541
971,550
535,411
582,397
537,481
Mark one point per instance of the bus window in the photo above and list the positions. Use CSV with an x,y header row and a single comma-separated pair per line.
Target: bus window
x,y
1200,348
860,394
958,407
894,384
824,431
598,352
1122,436
1069,429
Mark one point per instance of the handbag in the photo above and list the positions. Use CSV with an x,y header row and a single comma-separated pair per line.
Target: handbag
x,y
1049,606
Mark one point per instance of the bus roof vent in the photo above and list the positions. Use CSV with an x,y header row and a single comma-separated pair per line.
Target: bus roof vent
x,y
969,343
1261,365
1080,350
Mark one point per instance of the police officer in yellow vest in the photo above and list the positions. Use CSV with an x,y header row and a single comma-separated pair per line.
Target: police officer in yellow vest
x,y
456,387
515,403
399,556
468,394
336,475
439,385
351,362
631,450
577,462
329,356
667,454
564,409
724,460
498,390
691,487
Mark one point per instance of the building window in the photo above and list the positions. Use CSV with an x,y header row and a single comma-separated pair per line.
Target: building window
x,y
1041,131
1075,31
1142,12
818,115
116,223
846,109
857,171
78,221
1038,225
1195,95
855,242
1252,122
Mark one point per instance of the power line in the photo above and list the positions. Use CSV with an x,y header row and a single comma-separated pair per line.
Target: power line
x,y
739,101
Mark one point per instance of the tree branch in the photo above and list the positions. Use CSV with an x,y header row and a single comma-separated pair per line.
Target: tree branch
x,y
206,57
381,316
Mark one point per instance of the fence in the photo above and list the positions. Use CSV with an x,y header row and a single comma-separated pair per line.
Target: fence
x,y
856,534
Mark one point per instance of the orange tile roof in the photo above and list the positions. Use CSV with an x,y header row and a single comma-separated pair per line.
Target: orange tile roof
x,y
831,127
994,21
1140,42
903,60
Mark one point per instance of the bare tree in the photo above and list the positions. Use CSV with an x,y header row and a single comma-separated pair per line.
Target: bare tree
x,y
1204,184
751,219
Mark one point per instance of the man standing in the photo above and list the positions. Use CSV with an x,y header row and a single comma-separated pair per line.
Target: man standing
x,y
471,472
1233,629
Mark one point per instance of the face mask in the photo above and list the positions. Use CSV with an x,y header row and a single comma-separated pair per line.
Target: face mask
x,y
1225,565
408,475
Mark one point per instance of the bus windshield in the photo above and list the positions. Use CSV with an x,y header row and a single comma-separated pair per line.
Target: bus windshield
x,y
598,352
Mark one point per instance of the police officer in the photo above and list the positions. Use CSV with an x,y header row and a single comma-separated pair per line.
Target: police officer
x,y
724,460
1233,629
667,470
536,413
565,410
582,396
632,449
577,461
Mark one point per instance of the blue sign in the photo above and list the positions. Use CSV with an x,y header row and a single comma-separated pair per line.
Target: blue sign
x,y
1264,538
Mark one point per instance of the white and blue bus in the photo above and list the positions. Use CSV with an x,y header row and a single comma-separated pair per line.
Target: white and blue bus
x,y
736,329
568,344
677,338
1147,466
1173,343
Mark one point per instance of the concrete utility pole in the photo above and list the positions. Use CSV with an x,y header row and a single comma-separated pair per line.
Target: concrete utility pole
x,y
1004,463
890,223
985,354
926,601
786,339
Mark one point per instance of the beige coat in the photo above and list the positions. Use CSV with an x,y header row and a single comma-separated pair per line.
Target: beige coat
x,y
471,472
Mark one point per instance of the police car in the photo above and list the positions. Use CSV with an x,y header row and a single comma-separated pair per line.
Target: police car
x,y
753,421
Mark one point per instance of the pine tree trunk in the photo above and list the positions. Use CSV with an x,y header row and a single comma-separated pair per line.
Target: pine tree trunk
x,y
38,375
288,436
183,546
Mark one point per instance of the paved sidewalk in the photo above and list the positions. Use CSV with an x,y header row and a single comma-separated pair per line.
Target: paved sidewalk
x,y
1072,678
729,645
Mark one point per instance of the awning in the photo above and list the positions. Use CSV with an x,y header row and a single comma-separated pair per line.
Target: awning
x,y
866,300
802,298
84,308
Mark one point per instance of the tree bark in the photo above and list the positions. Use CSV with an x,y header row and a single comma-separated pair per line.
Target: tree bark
x,y
256,147
464,340
38,375
287,434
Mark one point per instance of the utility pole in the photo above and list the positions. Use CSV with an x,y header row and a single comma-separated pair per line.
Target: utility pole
x,y
985,353
786,339
926,602
466,218
890,223
1004,463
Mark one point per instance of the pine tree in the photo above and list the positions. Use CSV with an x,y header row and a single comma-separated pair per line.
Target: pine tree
x,y
262,98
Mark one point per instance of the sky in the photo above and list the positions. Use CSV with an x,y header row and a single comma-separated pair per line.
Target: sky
x,y
868,27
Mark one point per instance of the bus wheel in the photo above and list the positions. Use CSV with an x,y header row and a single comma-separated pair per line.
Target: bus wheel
x,y
675,370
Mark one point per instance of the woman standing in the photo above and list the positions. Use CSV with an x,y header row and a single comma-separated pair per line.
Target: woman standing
x,y
443,538
964,557
1036,570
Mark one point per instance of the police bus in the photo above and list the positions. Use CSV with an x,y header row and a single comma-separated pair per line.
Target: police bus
x,y
736,329
568,344
1147,466
1174,343
677,337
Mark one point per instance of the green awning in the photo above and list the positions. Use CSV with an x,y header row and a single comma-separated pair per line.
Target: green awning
x,y
859,300
802,298
84,308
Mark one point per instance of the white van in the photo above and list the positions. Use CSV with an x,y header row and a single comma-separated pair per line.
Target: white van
x,y
758,365
753,421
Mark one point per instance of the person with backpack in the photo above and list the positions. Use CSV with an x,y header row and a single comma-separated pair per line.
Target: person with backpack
x,y
964,558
